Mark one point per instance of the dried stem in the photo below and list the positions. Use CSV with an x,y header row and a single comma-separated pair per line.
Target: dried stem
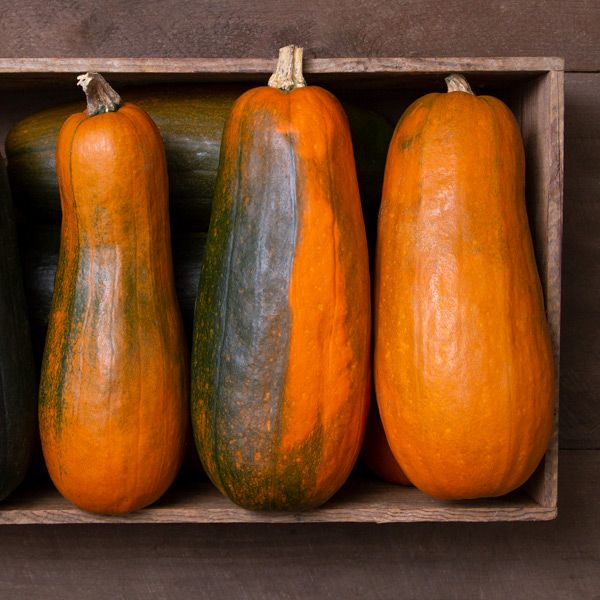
x,y
458,83
101,98
288,73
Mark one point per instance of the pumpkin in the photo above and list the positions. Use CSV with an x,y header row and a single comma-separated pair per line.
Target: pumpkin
x,y
376,452
281,353
463,361
190,119
113,397
17,377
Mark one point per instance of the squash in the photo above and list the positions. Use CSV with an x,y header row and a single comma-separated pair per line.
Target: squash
x,y
463,362
281,353
376,452
113,393
190,119
17,377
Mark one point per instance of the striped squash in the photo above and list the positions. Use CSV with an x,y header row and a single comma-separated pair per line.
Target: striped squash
x,y
113,397
280,365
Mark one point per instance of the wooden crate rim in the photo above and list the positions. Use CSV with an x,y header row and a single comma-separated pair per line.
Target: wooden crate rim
x,y
374,65
201,502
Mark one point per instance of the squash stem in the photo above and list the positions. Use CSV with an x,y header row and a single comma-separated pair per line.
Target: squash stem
x,y
458,83
288,72
298,76
101,98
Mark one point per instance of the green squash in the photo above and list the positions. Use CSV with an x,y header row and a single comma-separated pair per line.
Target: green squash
x,y
17,378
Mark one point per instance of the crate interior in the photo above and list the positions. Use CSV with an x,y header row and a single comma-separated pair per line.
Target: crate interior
x,y
363,498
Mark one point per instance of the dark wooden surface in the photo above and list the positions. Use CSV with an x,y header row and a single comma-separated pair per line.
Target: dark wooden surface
x,y
237,28
558,559
580,327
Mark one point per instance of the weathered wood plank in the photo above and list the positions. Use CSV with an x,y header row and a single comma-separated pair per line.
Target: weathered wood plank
x,y
265,66
345,28
558,559
580,356
540,113
363,499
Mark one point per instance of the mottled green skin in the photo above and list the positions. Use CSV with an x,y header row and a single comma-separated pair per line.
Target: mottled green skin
x,y
17,377
242,322
248,427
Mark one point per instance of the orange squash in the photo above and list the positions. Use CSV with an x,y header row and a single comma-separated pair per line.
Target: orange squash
x,y
463,362
113,397
281,357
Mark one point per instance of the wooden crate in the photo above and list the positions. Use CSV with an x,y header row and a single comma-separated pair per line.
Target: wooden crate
x,y
533,88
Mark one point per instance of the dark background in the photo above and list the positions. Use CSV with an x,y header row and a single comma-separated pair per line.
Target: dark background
x,y
560,559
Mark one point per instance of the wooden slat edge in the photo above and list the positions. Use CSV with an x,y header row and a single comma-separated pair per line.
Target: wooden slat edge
x,y
555,231
265,65
542,123
236,515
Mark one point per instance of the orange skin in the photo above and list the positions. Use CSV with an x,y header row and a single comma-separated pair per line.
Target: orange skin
x,y
376,453
328,377
291,449
113,396
463,362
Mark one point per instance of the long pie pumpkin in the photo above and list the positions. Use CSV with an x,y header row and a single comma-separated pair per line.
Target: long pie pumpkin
x,y
280,366
463,361
113,397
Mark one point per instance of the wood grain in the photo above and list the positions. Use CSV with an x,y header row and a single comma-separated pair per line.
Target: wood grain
x,y
530,561
265,66
580,370
233,28
539,110
362,499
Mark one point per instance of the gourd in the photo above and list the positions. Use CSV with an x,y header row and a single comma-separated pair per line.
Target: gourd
x,y
376,452
281,353
463,361
113,394
17,377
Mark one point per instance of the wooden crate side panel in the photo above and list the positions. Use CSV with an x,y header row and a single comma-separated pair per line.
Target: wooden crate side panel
x,y
541,116
361,500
